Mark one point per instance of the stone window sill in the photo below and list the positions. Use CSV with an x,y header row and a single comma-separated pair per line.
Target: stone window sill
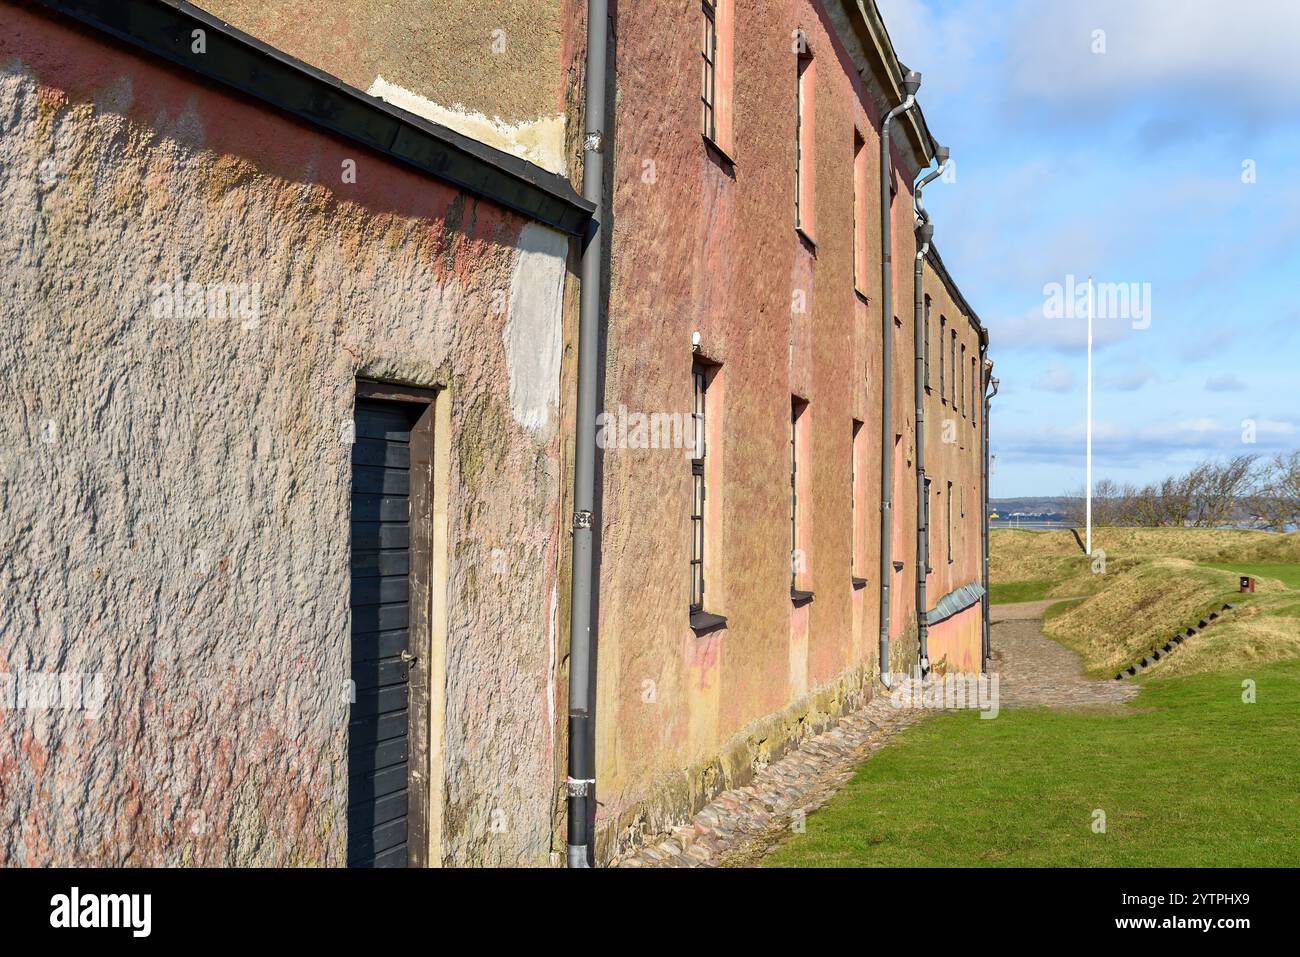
x,y
707,621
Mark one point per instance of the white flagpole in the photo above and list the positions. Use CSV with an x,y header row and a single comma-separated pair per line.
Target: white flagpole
x,y
1089,549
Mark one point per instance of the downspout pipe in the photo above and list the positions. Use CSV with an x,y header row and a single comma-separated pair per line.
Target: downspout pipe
x,y
581,779
911,83
942,154
924,236
987,650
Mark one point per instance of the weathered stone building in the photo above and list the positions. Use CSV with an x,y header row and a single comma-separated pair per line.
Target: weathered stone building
x,y
198,283
785,305
208,288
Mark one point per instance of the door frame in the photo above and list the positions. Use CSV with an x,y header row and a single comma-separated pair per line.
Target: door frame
x,y
427,621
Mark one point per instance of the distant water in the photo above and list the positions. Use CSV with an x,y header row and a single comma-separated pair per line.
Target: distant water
x,y
1040,524
1048,525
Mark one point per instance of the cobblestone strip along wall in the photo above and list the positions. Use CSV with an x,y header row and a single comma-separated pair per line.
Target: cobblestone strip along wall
x,y
738,826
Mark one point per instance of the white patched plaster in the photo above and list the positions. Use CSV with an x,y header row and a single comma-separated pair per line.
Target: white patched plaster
x,y
539,141
532,332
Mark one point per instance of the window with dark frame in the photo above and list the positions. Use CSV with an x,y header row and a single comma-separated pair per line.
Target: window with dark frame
x,y
855,556
709,54
974,391
698,490
927,342
859,208
953,367
798,408
949,523
853,501
943,334
794,494
925,517
963,380
802,106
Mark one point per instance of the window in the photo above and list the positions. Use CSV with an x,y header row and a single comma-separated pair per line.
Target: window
x,y
709,52
925,518
803,153
974,391
943,329
949,523
859,212
927,343
798,459
706,381
963,379
857,514
698,491
716,73
953,367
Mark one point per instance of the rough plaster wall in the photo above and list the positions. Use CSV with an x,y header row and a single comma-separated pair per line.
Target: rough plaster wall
x,y
955,643
487,68
699,247
184,531
960,460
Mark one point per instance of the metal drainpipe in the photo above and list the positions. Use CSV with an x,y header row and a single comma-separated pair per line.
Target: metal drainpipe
x,y
582,656
925,233
988,400
911,83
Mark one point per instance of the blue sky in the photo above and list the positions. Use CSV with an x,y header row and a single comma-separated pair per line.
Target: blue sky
x,y
1128,164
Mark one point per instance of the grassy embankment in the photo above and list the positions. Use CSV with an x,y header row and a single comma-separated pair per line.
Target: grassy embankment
x,y
1156,582
1199,771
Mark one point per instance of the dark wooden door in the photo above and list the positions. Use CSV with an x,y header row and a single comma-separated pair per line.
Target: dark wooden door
x,y
389,497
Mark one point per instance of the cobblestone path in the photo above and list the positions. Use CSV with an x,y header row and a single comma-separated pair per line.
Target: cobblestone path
x,y
739,826
1034,670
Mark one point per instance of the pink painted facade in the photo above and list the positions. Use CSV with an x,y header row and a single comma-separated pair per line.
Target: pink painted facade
x,y
705,248
954,643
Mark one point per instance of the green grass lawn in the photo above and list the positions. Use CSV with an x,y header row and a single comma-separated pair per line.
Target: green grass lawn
x,y
1009,592
1188,776
1287,574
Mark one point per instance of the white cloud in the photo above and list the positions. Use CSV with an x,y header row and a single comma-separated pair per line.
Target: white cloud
x,y
944,48
1243,53
1224,383
1055,378
1152,447
1129,380
1033,330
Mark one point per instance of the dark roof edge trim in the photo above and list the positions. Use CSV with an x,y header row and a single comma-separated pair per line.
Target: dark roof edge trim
x,y
244,63
932,256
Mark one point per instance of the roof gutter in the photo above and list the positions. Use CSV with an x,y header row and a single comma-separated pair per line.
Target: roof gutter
x,y
888,73
165,28
936,262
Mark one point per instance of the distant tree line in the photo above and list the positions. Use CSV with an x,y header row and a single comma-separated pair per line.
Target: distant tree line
x,y
1253,491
